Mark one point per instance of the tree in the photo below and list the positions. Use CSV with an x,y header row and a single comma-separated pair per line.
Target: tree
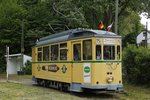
x,y
45,17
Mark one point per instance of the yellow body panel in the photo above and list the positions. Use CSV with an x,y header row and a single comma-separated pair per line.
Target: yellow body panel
x,y
77,73
33,59
75,69
100,75
55,76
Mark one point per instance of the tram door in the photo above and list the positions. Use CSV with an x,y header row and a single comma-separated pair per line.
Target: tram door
x,y
77,68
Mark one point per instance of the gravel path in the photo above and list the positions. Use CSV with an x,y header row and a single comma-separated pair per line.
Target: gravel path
x,y
19,80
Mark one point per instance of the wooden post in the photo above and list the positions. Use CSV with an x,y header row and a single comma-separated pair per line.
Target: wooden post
x,y
22,46
7,60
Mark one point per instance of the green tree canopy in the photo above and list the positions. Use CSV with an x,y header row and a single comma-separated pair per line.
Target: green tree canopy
x,y
44,17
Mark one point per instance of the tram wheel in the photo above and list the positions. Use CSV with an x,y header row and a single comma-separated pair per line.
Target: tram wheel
x,y
38,82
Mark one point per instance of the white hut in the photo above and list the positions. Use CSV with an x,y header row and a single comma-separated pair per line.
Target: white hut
x,y
140,40
14,62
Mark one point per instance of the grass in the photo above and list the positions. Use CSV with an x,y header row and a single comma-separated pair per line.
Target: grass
x,y
14,91
135,92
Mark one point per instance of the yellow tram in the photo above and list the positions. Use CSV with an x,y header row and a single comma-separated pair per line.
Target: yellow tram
x,y
79,59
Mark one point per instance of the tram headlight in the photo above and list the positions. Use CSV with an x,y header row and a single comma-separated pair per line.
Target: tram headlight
x,y
110,79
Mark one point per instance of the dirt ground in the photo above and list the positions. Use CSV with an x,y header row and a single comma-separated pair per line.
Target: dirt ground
x,y
22,81
17,79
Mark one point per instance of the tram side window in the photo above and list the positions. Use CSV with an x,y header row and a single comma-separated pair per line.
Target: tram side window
x,y
109,52
49,53
54,52
77,51
63,45
39,54
63,51
87,50
98,52
118,52
46,53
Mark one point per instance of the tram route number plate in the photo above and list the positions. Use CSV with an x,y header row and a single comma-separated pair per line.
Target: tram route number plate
x,y
98,41
87,72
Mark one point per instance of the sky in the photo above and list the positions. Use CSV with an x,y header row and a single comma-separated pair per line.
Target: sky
x,y
144,20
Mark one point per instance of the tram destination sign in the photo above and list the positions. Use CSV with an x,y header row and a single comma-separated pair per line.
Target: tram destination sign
x,y
109,41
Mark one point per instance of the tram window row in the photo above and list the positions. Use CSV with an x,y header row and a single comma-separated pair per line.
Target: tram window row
x,y
59,52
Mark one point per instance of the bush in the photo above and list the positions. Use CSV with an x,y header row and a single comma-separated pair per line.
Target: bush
x,y
27,68
136,64
2,63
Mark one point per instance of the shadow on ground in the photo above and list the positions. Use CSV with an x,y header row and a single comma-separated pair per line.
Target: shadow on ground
x,y
99,95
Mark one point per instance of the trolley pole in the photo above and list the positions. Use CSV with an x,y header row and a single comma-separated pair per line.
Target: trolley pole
x,y
116,18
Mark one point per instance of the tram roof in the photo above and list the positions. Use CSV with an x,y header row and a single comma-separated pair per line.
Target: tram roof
x,y
73,34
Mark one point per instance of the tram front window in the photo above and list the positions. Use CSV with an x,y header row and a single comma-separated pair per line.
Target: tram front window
x,y
109,52
39,54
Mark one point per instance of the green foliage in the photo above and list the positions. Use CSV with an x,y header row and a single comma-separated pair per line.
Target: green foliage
x,y
3,61
136,64
130,24
40,15
28,68
145,7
